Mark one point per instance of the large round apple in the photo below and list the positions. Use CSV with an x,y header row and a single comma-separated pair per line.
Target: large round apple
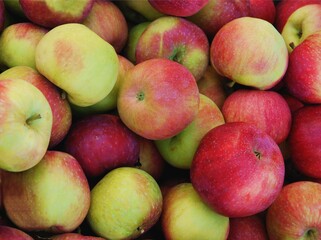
x,y
238,169
158,98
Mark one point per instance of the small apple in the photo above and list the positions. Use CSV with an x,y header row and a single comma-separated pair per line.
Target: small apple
x,y
238,169
82,64
125,203
238,52
295,214
53,196
25,122
13,233
50,14
177,39
158,98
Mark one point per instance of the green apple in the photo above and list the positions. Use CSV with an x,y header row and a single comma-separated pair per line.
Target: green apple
x,y
125,203
180,149
186,216
25,123
77,60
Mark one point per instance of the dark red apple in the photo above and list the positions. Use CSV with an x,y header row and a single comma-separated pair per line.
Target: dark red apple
x,y
13,233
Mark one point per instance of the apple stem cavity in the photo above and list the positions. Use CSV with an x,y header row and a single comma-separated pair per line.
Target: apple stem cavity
x,y
33,118
177,54
312,234
257,154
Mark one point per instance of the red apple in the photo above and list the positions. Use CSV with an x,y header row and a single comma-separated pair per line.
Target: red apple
x,y
158,98
101,142
106,19
268,110
295,214
2,15
74,236
238,169
13,233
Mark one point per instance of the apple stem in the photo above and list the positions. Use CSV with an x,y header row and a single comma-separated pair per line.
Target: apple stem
x,y
33,118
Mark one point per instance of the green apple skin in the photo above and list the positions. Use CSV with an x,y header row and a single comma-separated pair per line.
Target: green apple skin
x,y
302,22
125,203
186,216
144,8
53,196
18,44
26,123
60,107
77,60
238,52
180,149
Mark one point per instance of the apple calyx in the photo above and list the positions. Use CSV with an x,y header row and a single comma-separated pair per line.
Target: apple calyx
x,y
33,118
178,54
311,234
257,154
140,96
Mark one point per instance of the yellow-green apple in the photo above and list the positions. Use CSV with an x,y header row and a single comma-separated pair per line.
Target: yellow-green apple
x,y
143,8
180,149
158,98
110,101
179,8
125,203
26,122
285,8
245,228
186,216
50,14
13,233
267,110
82,64
214,86
303,76
61,112
74,236
304,138
18,44
216,13
53,196
133,36
177,39
100,143
295,214
301,23
238,52
106,19
238,169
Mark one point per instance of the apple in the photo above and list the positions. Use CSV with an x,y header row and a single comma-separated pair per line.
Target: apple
x,y
74,236
301,23
106,19
8,232
18,44
2,15
216,13
61,112
214,86
177,39
268,110
180,149
158,98
293,102
50,14
303,140
251,227
26,122
302,78
238,52
53,196
101,142
82,64
183,207
238,169
295,214
178,8
125,203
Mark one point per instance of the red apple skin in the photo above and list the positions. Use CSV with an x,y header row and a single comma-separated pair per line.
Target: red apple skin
x,y
251,227
302,78
13,233
2,15
294,103
74,236
237,163
268,110
295,214
101,142
39,12
106,19
178,8
61,111
304,139
285,8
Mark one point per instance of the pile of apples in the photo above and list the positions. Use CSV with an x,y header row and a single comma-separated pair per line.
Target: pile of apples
x,y
154,119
